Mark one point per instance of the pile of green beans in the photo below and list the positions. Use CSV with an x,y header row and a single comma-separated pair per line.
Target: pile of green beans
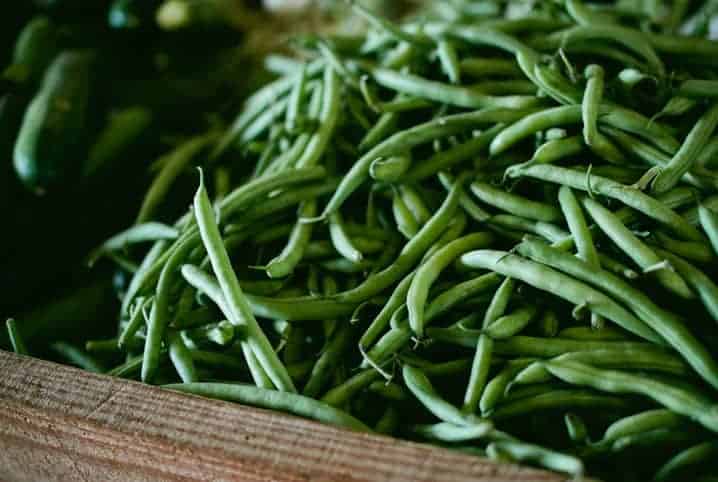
x,y
493,228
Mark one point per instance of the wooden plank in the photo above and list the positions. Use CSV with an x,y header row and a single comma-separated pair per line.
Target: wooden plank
x,y
58,423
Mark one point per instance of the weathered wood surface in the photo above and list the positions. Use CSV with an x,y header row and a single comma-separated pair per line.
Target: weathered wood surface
x,y
61,424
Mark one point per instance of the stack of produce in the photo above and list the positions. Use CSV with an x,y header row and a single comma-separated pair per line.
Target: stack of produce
x,y
493,228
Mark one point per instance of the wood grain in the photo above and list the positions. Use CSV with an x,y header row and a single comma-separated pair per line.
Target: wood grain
x,y
61,424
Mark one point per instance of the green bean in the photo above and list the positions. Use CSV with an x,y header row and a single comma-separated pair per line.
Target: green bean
x,y
691,215
341,240
548,324
181,358
523,452
449,432
671,329
449,60
134,323
437,369
285,200
532,123
336,63
584,15
221,333
385,25
632,40
237,304
402,104
390,169
660,418
478,375
389,421
379,131
327,361
695,251
461,292
709,222
484,346
655,438
450,157
512,324
415,203
395,339
505,87
553,83
399,56
282,65
446,93
691,456
684,158
404,140
151,266
16,340
577,224
677,106
633,358
77,357
588,332
429,271
284,264
629,243
173,164
555,150
130,367
259,102
630,196
515,204
296,97
633,122
406,223
209,286
496,387
484,67
557,399
420,386
705,287
684,402
576,428
707,158
341,394
592,98
151,231
548,231
328,118
698,88
559,284
312,308
381,321
467,204
653,156
272,399
109,345
390,391
160,312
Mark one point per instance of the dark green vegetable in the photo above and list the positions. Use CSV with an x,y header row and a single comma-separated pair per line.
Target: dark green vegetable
x,y
49,147
35,48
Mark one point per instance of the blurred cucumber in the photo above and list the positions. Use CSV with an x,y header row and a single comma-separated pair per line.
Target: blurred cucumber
x,y
49,146
35,48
